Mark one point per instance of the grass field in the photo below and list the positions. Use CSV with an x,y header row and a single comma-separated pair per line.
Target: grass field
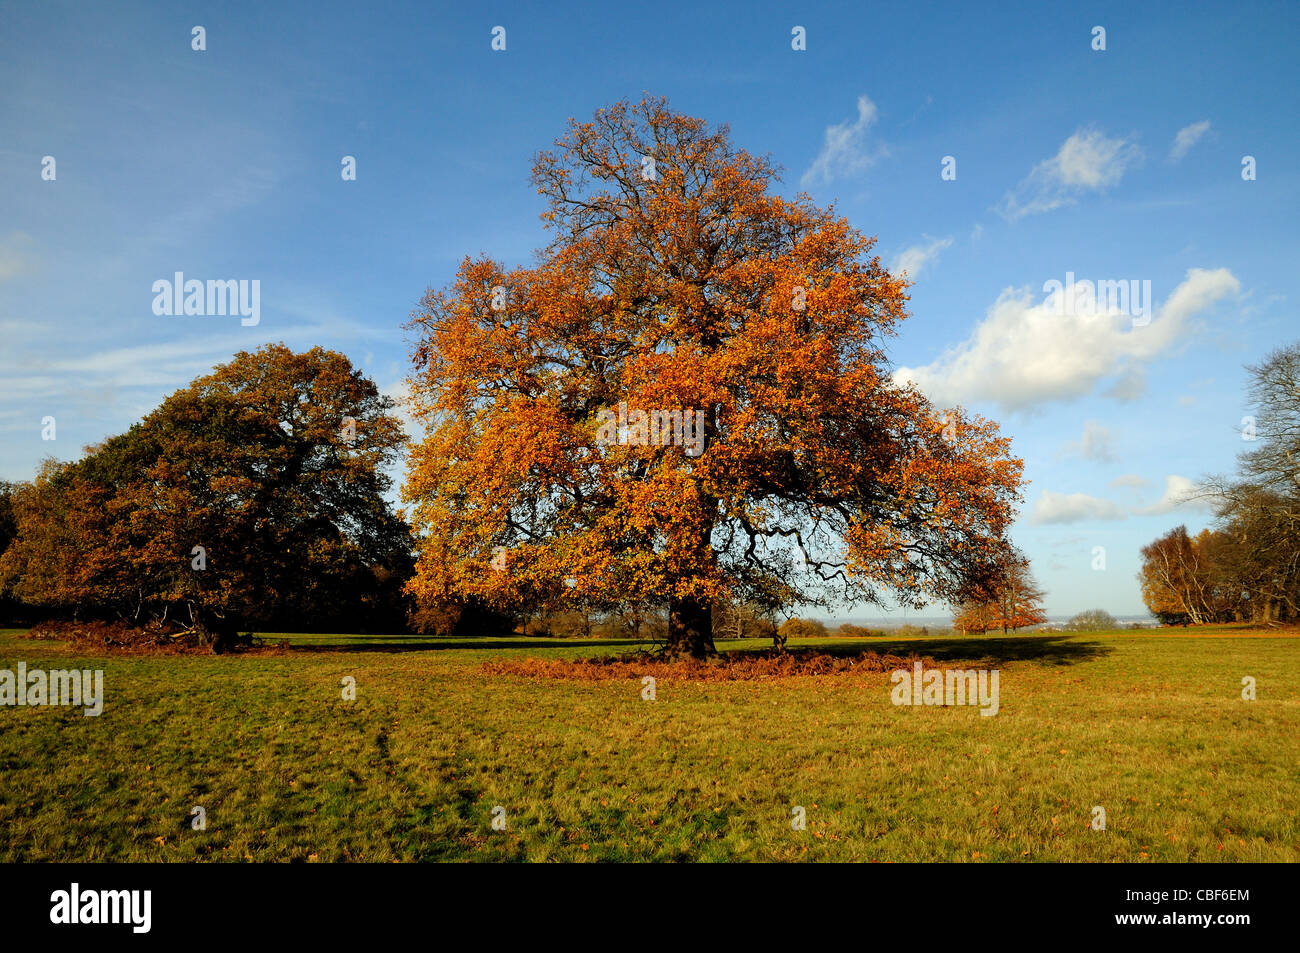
x,y
1151,727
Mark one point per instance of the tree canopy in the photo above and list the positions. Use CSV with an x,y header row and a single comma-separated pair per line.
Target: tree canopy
x,y
254,494
680,289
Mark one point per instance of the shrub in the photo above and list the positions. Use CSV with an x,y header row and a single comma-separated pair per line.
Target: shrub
x,y
797,628
1092,620
849,631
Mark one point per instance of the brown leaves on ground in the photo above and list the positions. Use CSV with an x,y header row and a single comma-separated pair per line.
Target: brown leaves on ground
x,y
734,667
151,638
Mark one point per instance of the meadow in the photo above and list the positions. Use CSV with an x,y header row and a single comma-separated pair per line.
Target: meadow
x,y
1151,726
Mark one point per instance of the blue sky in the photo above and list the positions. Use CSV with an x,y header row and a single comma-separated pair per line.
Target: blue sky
x,y
1115,164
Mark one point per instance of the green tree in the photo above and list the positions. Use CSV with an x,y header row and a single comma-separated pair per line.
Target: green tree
x,y
255,493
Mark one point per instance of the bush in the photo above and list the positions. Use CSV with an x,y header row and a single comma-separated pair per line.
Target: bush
x,y
797,628
1092,620
849,631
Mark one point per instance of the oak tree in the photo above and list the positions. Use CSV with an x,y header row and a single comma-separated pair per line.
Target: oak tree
x,y
687,398
256,493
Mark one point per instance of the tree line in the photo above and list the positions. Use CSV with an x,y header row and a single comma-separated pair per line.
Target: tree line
x,y
1246,567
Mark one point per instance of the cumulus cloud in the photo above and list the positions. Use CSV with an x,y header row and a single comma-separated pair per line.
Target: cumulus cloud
x,y
1130,480
1060,508
846,150
1026,353
1088,161
1180,493
913,260
1187,137
1095,444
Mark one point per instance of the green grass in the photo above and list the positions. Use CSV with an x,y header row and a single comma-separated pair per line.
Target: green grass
x,y
1151,727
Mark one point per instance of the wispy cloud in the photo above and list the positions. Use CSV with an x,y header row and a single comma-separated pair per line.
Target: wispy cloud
x,y
1088,161
846,150
1061,508
1187,137
913,260
1096,444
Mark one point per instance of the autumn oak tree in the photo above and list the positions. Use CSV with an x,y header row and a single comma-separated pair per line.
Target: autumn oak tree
x,y
255,493
678,282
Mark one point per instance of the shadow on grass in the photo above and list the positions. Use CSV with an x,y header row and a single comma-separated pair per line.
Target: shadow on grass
x,y
416,644
1047,649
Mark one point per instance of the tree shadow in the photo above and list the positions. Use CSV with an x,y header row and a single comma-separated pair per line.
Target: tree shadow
x,y
981,652
421,644
975,651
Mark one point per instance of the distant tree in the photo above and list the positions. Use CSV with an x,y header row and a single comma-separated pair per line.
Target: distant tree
x,y
8,530
800,628
976,616
850,631
742,621
1175,579
1249,566
1011,600
257,492
679,281
1092,620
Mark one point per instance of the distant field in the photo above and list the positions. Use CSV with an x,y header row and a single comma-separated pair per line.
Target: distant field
x,y
1150,726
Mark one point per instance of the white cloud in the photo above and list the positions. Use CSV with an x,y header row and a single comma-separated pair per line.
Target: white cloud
x,y
1180,493
1187,137
1024,354
404,410
1130,480
1095,445
1059,508
1087,162
845,150
913,260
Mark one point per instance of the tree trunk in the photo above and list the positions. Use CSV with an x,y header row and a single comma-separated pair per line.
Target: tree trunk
x,y
690,628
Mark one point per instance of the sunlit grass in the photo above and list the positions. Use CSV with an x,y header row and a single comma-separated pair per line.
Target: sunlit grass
x,y
1153,729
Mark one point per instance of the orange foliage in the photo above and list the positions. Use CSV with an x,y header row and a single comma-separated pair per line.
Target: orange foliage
x,y
1010,600
691,288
